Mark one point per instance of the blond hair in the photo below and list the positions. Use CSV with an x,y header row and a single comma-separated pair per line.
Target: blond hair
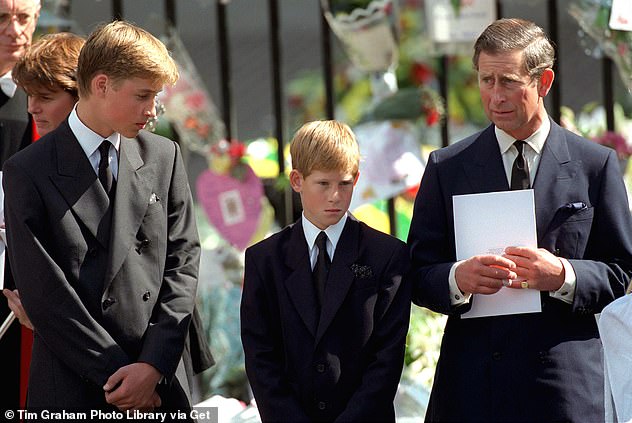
x,y
325,145
50,63
122,51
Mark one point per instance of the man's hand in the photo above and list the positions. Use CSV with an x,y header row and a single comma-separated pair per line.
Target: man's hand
x,y
484,274
15,305
541,269
133,387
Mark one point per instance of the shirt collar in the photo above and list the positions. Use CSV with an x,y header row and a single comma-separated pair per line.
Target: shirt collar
x,y
536,140
88,139
333,232
7,85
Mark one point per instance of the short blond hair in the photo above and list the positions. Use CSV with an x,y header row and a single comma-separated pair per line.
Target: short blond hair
x,y
50,64
121,50
325,145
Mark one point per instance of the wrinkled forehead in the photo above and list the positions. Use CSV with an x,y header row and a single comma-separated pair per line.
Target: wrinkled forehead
x,y
19,6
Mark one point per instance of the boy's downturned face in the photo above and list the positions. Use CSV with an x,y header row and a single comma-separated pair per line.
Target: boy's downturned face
x,y
124,106
49,108
325,195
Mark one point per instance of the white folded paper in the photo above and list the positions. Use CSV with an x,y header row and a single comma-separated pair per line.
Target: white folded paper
x,y
486,224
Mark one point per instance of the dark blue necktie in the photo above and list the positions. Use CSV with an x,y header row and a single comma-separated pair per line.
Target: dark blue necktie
x,y
321,269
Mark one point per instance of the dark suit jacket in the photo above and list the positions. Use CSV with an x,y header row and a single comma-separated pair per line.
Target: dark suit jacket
x,y
15,134
101,300
343,364
532,367
15,124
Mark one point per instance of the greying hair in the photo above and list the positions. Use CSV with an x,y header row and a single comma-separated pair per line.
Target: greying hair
x,y
506,35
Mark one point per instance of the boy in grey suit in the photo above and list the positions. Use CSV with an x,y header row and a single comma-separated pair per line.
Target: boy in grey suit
x,y
102,217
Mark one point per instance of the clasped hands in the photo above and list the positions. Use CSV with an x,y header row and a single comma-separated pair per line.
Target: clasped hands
x,y
133,387
484,274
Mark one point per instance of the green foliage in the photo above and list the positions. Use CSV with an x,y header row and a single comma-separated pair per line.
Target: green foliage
x,y
422,345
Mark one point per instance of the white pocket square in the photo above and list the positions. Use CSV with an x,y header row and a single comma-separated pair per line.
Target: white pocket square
x,y
154,198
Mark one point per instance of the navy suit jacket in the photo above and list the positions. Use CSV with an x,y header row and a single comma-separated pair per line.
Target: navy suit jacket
x,y
343,364
533,367
100,300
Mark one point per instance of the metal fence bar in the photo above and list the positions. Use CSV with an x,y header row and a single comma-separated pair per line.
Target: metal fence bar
x,y
328,66
277,98
224,68
444,68
117,9
556,89
608,92
170,12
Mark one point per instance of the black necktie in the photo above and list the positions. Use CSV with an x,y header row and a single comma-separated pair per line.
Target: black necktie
x,y
520,170
105,172
321,269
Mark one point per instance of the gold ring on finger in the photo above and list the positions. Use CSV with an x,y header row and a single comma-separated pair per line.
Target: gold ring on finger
x,y
524,285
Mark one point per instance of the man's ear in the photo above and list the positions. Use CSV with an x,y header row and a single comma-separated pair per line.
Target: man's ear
x,y
545,82
296,180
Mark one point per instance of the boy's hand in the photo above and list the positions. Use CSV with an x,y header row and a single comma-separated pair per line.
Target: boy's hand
x,y
133,387
15,305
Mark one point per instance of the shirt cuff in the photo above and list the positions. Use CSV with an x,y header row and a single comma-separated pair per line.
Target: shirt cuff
x,y
457,297
566,292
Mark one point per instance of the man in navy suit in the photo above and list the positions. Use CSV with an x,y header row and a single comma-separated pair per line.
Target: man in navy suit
x,y
544,366
325,344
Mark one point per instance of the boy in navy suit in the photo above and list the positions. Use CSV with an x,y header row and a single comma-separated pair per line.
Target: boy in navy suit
x,y
324,312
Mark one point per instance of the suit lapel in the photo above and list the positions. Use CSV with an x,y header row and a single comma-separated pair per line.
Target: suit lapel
x,y
78,183
133,189
340,274
553,179
485,171
299,282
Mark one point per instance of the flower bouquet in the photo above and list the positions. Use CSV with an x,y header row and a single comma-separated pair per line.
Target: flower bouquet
x,y
593,17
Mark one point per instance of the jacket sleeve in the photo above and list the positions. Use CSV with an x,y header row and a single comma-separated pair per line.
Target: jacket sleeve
x,y
57,313
164,338
387,345
603,272
431,246
261,340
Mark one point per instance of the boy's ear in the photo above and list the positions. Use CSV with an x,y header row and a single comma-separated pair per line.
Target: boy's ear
x,y
99,83
355,181
296,180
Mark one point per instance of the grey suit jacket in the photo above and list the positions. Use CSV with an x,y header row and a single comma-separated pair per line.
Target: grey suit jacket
x,y
101,299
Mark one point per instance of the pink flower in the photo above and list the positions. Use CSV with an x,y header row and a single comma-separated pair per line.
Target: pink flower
x,y
615,141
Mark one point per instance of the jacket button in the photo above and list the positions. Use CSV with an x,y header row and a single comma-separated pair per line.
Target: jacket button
x,y
320,368
108,302
322,405
144,243
92,252
146,295
497,356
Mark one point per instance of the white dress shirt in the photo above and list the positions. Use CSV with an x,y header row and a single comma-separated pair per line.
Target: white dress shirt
x,y
615,329
7,85
90,142
333,235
